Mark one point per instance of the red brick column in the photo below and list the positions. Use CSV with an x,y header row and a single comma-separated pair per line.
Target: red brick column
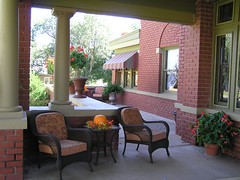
x,y
195,66
24,52
11,154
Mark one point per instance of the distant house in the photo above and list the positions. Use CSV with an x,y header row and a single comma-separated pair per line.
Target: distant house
x,y
124,63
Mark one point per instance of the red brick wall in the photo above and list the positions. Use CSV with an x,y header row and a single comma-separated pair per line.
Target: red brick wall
x,y
158,106
154,35
195,63
24,52
11,154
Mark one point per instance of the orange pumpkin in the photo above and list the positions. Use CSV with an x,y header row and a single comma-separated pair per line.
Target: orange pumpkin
x,y
99,119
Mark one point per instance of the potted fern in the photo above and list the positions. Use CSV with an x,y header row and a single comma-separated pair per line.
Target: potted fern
x,y
111,90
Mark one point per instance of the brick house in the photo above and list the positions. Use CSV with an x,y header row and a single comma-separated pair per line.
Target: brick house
x,y
207,75
198,71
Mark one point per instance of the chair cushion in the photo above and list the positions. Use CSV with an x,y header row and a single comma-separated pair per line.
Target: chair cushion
x,y
68,147
131,116
99,90
143,135
52,123
97,95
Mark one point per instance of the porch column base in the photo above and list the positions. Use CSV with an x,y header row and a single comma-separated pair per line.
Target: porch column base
x,y
13,120
61,107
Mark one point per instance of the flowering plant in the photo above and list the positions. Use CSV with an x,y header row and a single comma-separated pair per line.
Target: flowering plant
x,y
100,126
216,128
78,58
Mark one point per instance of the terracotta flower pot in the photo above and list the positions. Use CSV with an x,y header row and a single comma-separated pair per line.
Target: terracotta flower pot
x,y
212,149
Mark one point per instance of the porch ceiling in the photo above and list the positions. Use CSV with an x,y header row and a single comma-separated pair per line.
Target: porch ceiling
x,y
161,10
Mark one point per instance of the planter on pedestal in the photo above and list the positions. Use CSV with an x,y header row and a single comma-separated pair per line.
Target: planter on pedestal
x,y
79,84
112,98
71,89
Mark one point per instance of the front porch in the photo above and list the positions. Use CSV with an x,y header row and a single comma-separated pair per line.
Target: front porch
x,y
186,162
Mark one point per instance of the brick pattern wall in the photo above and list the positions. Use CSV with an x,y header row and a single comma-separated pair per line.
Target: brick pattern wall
x,y
24,52
154,35
11,154
195,65
158,106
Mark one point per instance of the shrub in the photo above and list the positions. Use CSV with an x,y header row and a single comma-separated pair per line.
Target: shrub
x,y
38,92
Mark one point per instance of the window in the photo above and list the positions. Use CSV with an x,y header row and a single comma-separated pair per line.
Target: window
x,y
127,78
135,78
225,12
226,89
223,62
170,76
119,78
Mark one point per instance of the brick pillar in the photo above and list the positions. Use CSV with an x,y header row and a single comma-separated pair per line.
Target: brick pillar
x,y
24,52
195,62
11,154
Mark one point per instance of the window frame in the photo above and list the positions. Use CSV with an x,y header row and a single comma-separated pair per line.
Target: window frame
x,y
121,77
217,12
222,29
163,69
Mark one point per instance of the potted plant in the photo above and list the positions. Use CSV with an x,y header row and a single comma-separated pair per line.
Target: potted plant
x,y
71,87
111,90
214,129
78,60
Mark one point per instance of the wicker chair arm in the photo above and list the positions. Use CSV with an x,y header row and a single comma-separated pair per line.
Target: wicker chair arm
x,y
80,134
159,122
51,141
133,127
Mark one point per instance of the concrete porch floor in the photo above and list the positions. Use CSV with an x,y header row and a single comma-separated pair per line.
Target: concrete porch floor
x,y
187,162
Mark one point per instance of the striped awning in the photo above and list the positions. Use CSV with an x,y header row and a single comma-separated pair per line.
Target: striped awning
x,y
123,61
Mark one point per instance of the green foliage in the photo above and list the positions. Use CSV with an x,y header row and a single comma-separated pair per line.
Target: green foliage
x,y
216,128
70,82
78,58
38,92
93,35
90,32
50,65
117,88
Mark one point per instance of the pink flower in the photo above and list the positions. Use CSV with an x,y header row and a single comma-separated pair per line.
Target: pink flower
x,y
80,49
194,131
71,48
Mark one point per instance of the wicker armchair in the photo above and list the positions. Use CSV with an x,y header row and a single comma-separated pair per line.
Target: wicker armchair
x,y
67,145
154,134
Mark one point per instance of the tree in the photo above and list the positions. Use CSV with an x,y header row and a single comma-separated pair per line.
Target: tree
x,y
92,34
40,54
88,32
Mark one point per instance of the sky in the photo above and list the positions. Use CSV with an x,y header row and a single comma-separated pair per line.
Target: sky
x,y
117,25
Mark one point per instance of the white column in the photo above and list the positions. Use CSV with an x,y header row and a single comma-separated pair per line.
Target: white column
x,y
11,114
61,63
9,81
